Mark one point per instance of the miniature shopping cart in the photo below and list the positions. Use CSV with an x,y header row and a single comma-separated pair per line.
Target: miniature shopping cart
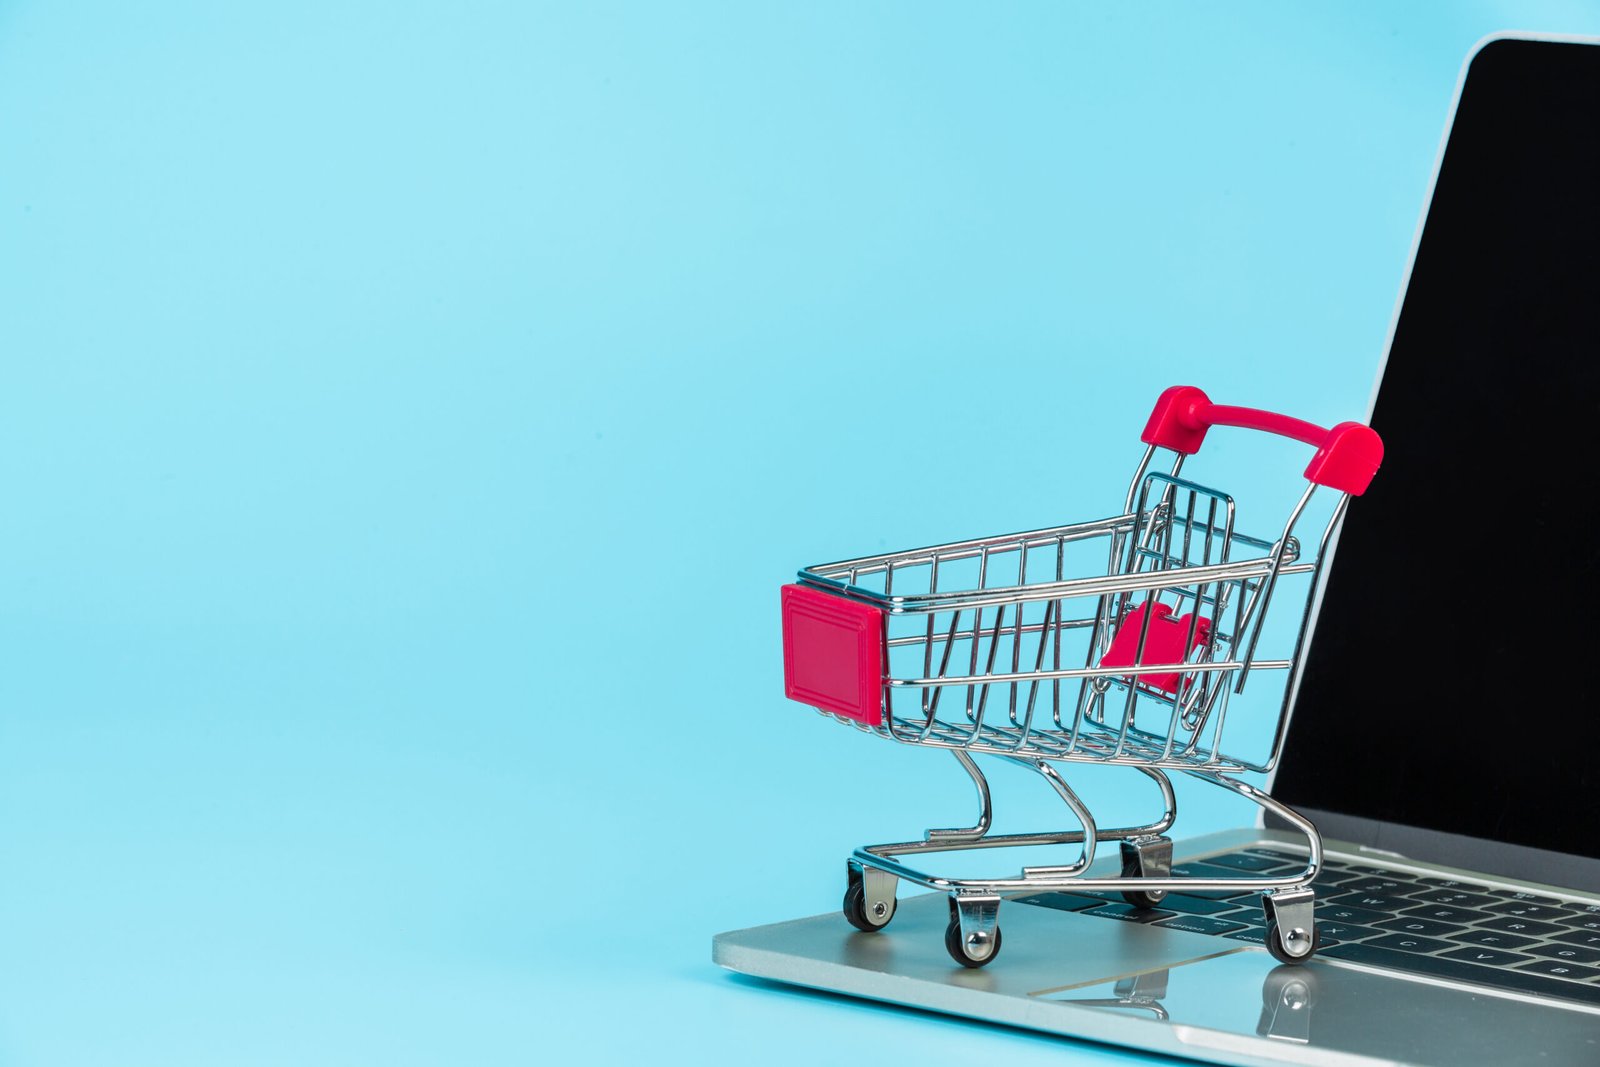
x,y
1119,641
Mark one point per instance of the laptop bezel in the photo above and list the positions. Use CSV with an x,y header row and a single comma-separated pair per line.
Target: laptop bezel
x,y
1492,857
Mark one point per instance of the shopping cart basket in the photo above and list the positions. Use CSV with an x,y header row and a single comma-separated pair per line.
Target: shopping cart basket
x,y
1118,641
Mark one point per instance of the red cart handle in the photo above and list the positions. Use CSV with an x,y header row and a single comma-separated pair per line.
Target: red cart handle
x,y
1347,455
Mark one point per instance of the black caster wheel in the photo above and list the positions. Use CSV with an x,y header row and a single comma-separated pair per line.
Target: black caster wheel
x,y
1146,857
956,945
1281,954
863,916
1144,898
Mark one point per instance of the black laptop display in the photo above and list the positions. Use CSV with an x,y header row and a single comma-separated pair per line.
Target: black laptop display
x,y
1448,685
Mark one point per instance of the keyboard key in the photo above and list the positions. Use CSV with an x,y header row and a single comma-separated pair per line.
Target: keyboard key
x,y
1493,939
1569,953
1523,910
1255,916
1559,969
1193,905
1197,869
1344,913
1373,901
1583,922
1589,938
1489,957
1410,943
1233,898
1380,886
1448,914
1130,914
1526,898
1516,980
1247,861
1061,901
1201,924
1382,872
1343,932
1458,898
1253,934
1511,924
1328,877
1407,924
1452,883
1299,860
1206,870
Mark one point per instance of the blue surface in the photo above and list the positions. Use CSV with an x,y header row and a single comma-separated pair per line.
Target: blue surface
x,y
410,411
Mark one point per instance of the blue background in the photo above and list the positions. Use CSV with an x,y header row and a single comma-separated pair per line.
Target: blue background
x,y
409,412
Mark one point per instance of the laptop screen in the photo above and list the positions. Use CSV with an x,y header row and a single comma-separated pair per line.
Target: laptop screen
x,y
1447,686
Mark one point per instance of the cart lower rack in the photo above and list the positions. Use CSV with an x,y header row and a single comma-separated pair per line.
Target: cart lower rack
x,y
1119,641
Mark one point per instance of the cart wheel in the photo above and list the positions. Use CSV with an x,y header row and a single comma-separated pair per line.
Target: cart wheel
x,y
1144,898
1282,955
956,945
860,914
1146,857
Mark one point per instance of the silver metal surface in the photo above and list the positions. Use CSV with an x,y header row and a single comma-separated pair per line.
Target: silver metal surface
x,y
1170,991
879,894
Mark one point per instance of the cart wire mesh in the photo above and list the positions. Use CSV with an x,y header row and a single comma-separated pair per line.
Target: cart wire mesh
x,y
1009,645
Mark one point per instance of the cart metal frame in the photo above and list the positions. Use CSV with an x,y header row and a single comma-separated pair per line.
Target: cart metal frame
x,y
1129,658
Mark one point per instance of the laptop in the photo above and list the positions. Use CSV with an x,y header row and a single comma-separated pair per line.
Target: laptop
x,y
1440,735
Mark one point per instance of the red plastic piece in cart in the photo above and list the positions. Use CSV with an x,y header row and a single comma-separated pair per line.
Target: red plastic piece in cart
x,y
1347,456
1163,644
833,653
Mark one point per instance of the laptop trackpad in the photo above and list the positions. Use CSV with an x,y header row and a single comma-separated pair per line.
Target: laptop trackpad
x,y
1325,1008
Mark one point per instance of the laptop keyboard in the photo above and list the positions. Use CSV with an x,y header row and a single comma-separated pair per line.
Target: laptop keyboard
x,y
1438,927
